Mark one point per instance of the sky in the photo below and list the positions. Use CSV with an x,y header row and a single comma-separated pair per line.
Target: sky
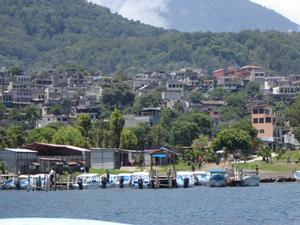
x,y
287,8
147,11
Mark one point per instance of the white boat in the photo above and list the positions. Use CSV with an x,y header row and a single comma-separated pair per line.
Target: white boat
x,y
201,177
250,179
184,179
56,221
126,178
87,180
104,183
217,178
296,175
141,180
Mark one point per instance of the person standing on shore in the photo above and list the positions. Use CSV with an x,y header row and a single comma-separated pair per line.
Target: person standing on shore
x,y
256,169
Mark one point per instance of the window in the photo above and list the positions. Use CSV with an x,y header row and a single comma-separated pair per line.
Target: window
x,y
268,120
255,111
261,111
255,120
262,131
261,120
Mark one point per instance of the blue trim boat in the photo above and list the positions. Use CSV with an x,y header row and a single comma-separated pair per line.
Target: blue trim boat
x,y
217,178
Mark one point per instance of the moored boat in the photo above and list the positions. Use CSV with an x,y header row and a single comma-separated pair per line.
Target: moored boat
x,y
87,181
123,180
201,177
296,175
141,180
250,179
217,178
107,182
184,179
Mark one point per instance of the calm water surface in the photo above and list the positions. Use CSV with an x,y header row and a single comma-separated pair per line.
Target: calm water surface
x,y
269,204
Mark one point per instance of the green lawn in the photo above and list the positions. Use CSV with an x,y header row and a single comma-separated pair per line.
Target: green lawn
x,y
271,167
111,171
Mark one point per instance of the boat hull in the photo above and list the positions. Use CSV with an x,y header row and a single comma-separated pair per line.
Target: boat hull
x,y
251,181
217,181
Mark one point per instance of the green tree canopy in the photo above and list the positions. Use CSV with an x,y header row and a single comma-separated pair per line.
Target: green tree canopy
x,y
116,125
43,135
69,136
118,95
234,140
84,123
16,134
128,139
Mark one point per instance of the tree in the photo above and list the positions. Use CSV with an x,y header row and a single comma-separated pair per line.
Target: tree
x,y
293,112
147,101
234,140
32,114
128,139
247,126
16,70
218,93
265,152
69,136
16,134
199,145
116,125
118,95
42,135
159,135
202,120
182,133
2,110
196,96
84,123
252,88
143,134
5,141
98,134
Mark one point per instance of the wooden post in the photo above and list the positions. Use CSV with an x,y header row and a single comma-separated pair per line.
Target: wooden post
x,y
156,179
68,178
28,186
169,179
54,178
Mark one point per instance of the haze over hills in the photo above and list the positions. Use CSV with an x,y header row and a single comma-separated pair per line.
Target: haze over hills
x,y
202,15
53,33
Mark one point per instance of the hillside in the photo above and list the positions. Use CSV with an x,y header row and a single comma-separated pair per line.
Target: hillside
x,y
202,15
49,33
224,16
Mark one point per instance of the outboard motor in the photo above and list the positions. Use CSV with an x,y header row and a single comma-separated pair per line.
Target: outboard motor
x,y
121,182
103,182
79,182
140,183
186,181
18,185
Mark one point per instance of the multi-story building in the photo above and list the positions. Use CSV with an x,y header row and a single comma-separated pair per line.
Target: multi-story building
x,y
262,121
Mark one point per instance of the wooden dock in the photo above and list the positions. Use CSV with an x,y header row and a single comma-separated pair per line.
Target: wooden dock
x,y
163,180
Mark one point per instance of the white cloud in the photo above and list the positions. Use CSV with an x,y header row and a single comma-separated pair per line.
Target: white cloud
x,y
146,11
288,8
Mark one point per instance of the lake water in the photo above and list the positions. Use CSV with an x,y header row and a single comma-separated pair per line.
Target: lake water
x,y
269,204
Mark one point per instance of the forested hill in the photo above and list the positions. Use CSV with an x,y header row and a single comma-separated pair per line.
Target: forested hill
x,y
47,33
223,16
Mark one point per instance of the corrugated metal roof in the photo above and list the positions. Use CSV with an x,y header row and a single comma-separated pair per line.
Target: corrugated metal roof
x,y
20,150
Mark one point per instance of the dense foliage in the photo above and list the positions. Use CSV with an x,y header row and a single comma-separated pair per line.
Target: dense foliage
x,y
49,33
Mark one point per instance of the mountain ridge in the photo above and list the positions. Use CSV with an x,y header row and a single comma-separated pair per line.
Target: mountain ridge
x,y
51,33
205,15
